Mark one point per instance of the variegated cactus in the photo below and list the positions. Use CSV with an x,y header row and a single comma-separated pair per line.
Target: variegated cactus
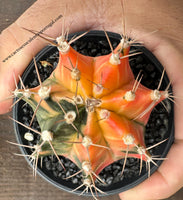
x,y
91,110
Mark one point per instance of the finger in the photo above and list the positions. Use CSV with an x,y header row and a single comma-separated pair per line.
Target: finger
x,y
11,41
163,183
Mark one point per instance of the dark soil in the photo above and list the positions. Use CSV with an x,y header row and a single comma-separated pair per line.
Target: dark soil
x,y
156,129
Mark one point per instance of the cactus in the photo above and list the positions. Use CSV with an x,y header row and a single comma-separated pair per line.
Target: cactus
x,y
91,110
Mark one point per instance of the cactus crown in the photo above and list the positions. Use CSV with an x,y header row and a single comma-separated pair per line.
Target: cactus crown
x,y
91,110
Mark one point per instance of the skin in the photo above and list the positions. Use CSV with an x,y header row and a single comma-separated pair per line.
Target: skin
x,y
141,17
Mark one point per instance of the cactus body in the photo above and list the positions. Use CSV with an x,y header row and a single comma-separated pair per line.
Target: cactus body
x,y
92,110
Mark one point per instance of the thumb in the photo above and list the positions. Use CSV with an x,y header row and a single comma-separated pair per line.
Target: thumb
x,y
17,48
14,59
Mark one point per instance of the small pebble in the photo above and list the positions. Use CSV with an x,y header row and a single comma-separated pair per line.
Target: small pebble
x,y
29,136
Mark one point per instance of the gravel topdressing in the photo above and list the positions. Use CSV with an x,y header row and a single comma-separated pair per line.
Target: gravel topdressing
x,y
156,129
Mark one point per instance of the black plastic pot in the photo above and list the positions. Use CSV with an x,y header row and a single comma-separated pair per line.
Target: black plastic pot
x,y
159,127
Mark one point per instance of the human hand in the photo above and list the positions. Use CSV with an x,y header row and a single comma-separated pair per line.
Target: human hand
x,y
96,15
